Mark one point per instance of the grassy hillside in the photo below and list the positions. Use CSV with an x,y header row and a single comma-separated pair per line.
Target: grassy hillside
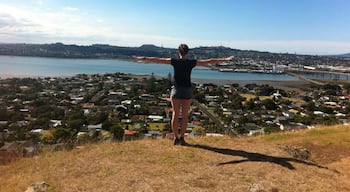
x,y
208,164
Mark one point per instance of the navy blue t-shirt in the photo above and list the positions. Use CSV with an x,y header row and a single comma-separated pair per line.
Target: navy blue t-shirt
x,y
182,72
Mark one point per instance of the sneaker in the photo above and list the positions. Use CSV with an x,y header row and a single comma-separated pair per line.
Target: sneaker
x,y
176,141
182,141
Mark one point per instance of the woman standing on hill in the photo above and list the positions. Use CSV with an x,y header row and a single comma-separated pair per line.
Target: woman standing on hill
x,y
181,90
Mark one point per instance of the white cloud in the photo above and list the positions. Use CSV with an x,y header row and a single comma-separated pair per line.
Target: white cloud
x,y
67,27
99,20
299,46
72,26
139,39
40,2
70,8
24,23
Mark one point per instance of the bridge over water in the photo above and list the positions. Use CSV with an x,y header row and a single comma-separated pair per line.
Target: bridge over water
x,y
304,78
330,75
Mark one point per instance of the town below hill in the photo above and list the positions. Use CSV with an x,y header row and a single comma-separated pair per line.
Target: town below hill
x,y
65,112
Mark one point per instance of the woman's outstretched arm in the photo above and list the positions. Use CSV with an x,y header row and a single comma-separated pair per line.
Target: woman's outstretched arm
x,y
153,59
203,62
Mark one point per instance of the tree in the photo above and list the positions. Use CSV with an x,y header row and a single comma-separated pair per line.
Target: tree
x,y
251,86
97,117
48,136
241,130
285,102
235,85
347,108
199,96
310,106
75,119
167,128
2,136
150,84
106,125
269,104
332,89
237,100
307,99
265,90
117,132
346,86
61,134
242,120
3,114
75,124
253,104
307,120
329,120
271,129
326,109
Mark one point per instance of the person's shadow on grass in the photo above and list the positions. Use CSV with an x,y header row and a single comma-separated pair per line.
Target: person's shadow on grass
x,y
257,157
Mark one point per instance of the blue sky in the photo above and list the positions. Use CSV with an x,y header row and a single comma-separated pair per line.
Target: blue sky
x,y
293,26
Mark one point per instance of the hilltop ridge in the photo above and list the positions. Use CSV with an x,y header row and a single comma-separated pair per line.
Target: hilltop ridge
x,y
207,164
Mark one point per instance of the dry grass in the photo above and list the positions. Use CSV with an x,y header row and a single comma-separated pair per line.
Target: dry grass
x,y
157,126
250,96
323,135
208,164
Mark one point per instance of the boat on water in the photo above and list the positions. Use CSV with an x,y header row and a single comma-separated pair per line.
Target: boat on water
x,y
226,70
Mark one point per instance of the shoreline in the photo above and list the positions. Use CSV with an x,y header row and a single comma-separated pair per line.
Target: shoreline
x,y
291,85
296,85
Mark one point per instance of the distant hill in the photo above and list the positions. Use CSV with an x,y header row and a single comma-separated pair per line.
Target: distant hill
x,y
76,51
117,52
104,51
345,55
264,163
108,51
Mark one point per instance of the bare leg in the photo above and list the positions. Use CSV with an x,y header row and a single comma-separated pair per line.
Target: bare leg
x,y
175,118
186,104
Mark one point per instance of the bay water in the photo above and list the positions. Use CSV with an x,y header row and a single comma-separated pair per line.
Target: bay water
x,y
18,66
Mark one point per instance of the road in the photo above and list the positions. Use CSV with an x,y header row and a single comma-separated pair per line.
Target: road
x,y
204,109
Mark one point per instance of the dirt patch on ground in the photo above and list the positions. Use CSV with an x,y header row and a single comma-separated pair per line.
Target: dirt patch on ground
x,y
326,154
322,154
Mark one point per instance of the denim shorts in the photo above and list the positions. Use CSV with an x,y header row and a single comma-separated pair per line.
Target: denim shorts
x,y
181,92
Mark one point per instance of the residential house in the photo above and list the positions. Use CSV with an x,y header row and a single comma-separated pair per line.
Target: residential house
x,y
130,135
256,132
94,128
87,107
155,118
